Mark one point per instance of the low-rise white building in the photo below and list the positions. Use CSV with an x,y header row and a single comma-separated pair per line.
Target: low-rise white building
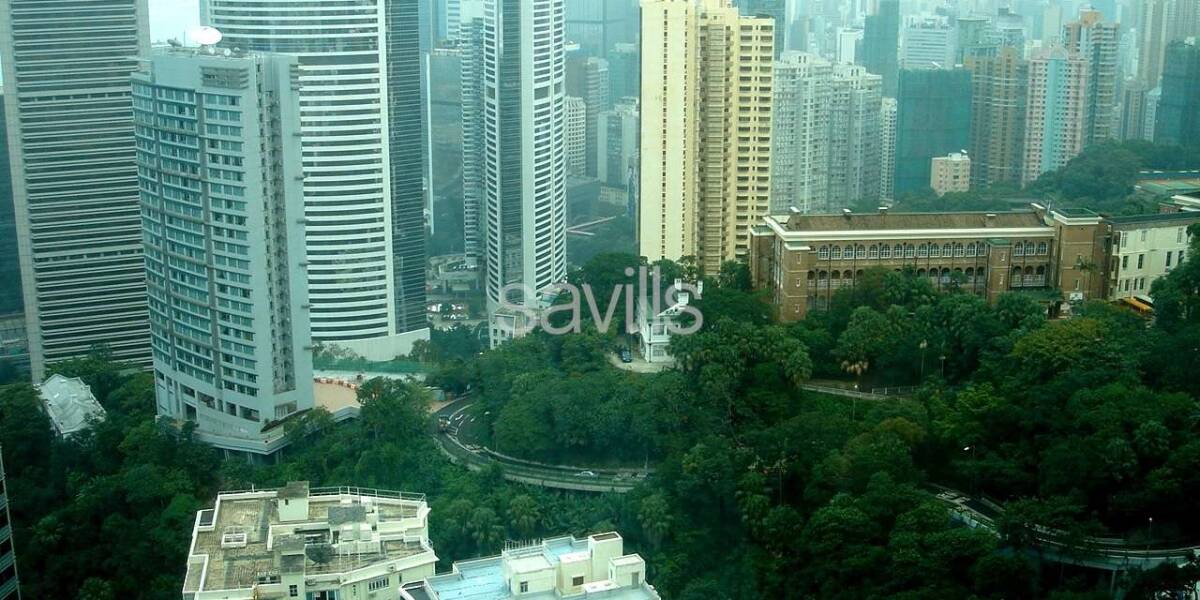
x,y
594,568
659,318
314,544
70,404
1144,248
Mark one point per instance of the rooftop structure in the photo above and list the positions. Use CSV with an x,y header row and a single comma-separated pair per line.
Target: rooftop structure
x,y
564,567
1143,248
307,543
950,173
69,404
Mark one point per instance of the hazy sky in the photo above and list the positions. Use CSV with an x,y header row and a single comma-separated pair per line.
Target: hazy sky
x,y
170,18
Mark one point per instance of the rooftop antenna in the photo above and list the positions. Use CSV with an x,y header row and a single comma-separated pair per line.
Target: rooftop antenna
x,y
205,35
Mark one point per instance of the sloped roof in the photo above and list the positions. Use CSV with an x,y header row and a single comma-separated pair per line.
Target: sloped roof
x,y
69,403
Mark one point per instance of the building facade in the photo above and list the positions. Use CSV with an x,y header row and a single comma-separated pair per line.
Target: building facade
x,y
575,134
933,118
222,221
524,149
1155,25
1056,111
1097,42
10,585
74,181
887,153
588,80
1134,98
881,45
566,567
800,134
1143,248
706,130
363,160
998,93
471,57
950,173
928,44
855,122
803,260
1177,116
617,143
345,543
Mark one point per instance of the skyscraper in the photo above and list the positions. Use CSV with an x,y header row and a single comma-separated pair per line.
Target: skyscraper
x,y
1156,20
706,130
887,160
881,45
470,48
933,118
1134,96
597,25
1097,43
11,301
780,11
998,93
70,141
1177,119
575,134
928,44
624,71
9,584
617,143
220,168
587,79
524,148
1056,111
362,146
800,133
854,139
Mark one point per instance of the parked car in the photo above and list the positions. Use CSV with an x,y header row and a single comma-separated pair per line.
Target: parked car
x,y
585,474
626,355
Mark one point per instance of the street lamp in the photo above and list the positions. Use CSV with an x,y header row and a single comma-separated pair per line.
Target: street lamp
x,y
974,467
1150,534
923,346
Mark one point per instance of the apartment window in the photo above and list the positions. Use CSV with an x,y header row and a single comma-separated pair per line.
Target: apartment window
x,y
1125,262
1143,235
577,580
1179,235
1141,261
293,591
378,584
1168,258
524,586
1126,285
635,579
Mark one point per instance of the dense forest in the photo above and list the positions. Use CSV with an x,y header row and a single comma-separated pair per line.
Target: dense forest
x,y
762,489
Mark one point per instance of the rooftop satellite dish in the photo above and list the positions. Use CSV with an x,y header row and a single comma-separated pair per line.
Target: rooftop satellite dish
x,y
205,36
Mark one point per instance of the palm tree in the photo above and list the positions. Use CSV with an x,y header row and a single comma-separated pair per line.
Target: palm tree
x,y
524,515
655,518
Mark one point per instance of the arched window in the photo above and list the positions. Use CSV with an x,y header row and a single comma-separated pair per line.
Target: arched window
x,y
923,251
811,275
848,275
1018,249
1029,250
1043,249
935,251
885,251
873,252
1028,271
823,253
947,251
823,275
920,272
899,251
836,275
860,252
1041,270
971,249
959,250
836,253
910,251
